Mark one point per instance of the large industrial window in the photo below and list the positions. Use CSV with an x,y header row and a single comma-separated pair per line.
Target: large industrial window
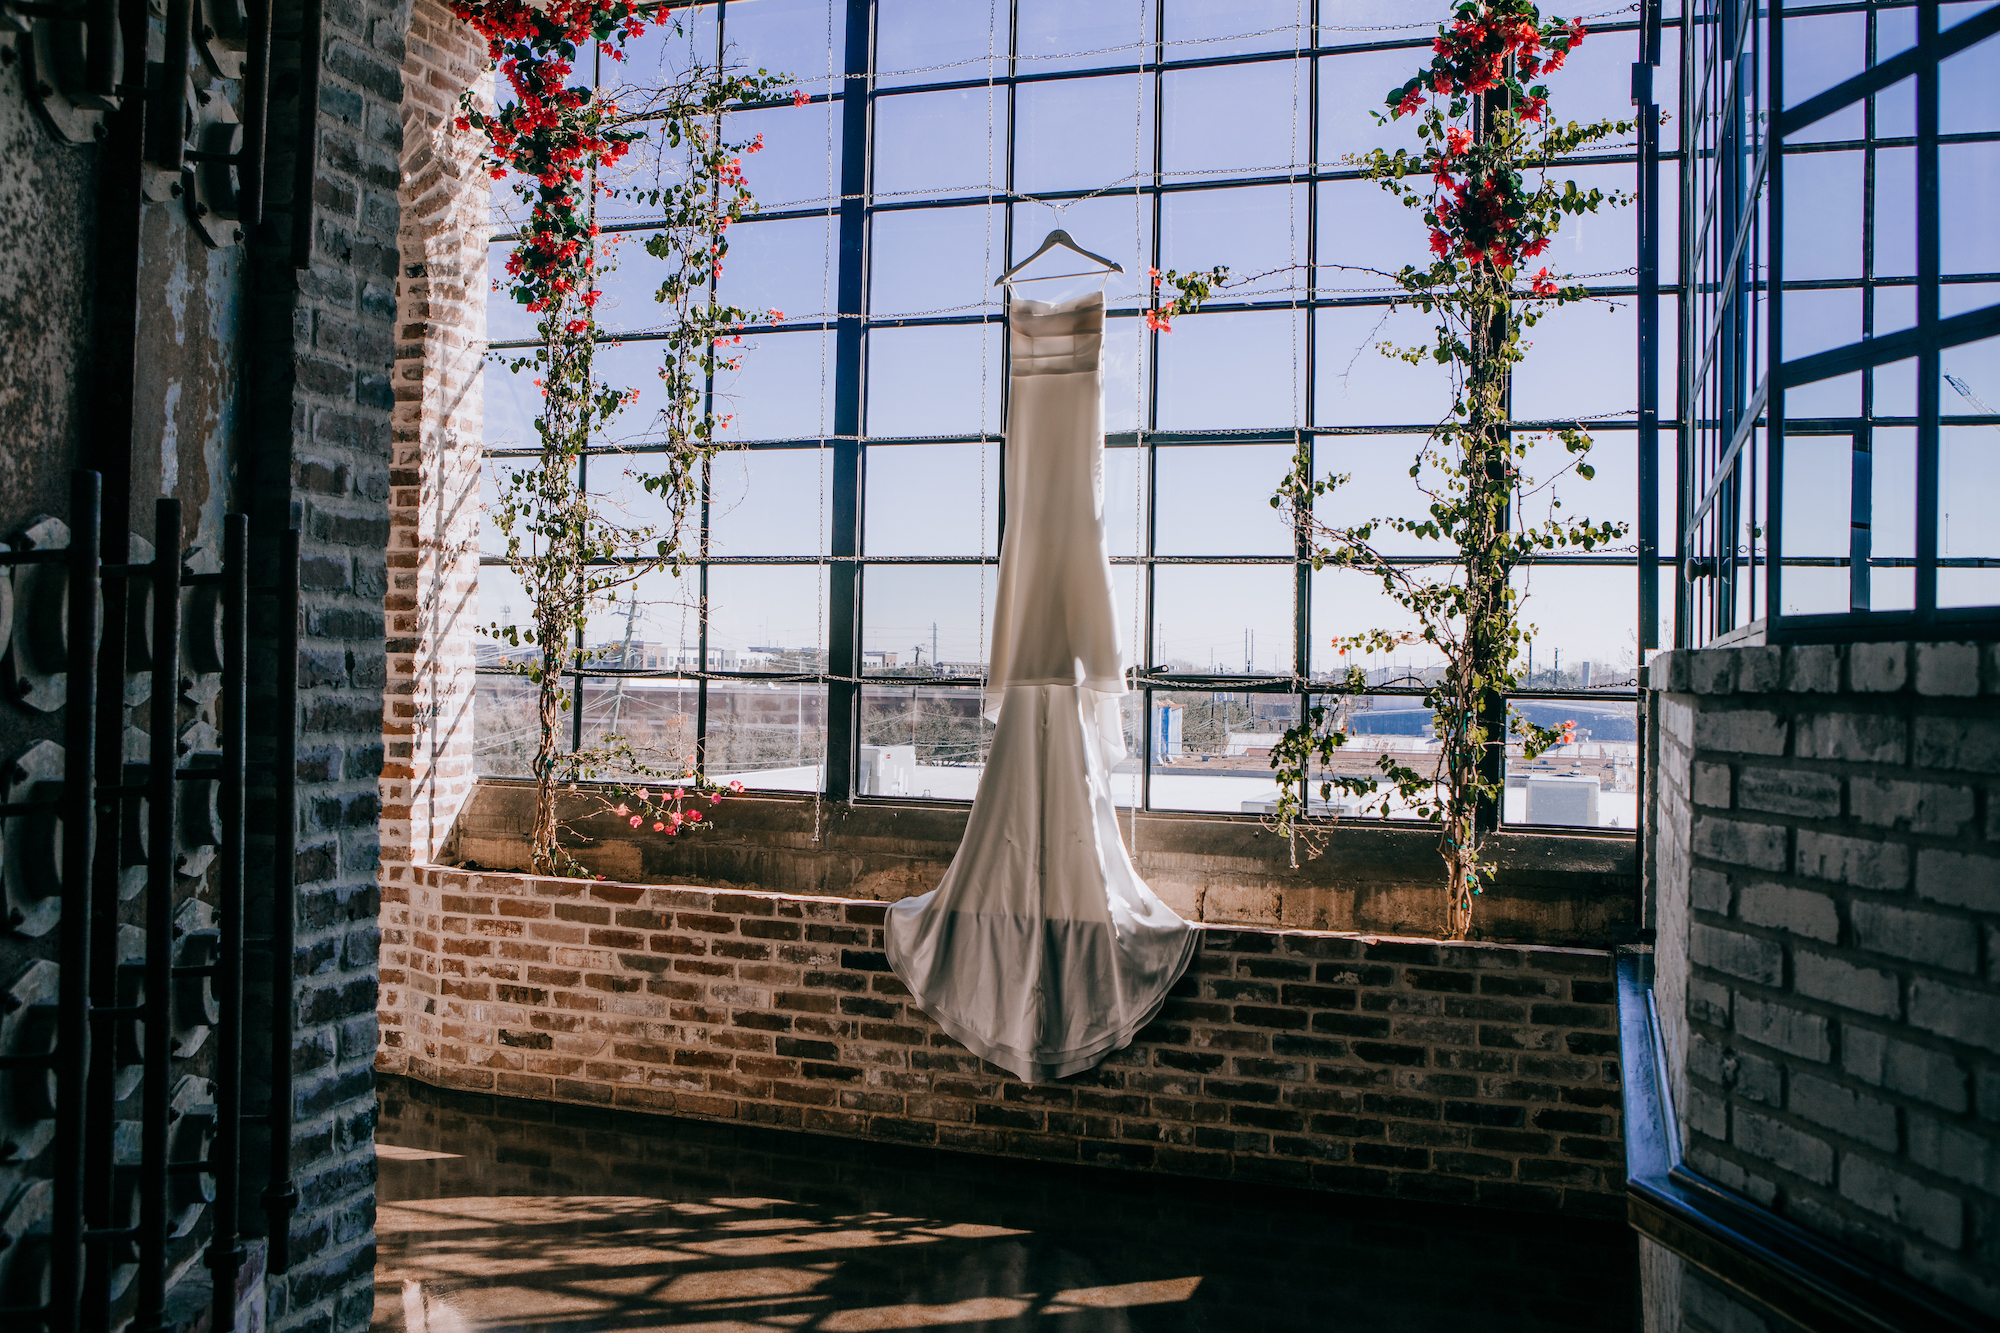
x,y
834,635
1842,473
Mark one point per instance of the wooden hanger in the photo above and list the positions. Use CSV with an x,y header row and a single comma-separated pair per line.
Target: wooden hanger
x,y
1050,242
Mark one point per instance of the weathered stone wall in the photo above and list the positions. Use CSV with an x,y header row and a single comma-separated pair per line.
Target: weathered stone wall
x,y
1548,888
1476,1073
1829,953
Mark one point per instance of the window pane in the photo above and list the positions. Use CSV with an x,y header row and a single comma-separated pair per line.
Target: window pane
x,y
781,389
786,267
1346,603
1818,512
1358,386
1216,500
1117,226
654,719
1065,34
1212,749
799,161
1892,578
1591,783
914,37
766,617
501,602
1223,620
652,622
1603,245
1365,237
506,318
932,499
1822,50
1968,96
1584,613
1378,485
1376,725
1969,481
1233,370
805,39
1127,349
935,260
769,737
1079,134
1263,241
1823,202
1968,201
1124,505
1612,495
504,712
1247,119
1581,362
1816,321
1233,27
770,502
932,616
922,740
1350,87
934,381
939,143
510,402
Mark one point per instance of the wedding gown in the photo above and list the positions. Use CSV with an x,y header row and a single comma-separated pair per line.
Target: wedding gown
x,y
1042,950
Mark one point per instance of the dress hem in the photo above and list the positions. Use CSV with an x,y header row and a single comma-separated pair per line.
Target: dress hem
x,y
1041,1067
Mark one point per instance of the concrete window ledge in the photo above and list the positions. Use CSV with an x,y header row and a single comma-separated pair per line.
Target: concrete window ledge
x,y
1556,888
1477,1073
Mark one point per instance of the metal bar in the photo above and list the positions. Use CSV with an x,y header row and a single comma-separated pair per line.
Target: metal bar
x,y
1649,333
1774,411
162,818
1929,327
168,125
256,116
78,836
225,1255
844,609
1891,71
305,148
280,1194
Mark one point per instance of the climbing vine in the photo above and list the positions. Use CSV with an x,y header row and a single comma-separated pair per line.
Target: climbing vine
x,y
1480,183
559,144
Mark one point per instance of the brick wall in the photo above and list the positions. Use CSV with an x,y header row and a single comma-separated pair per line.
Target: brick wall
x,y
440,349
324,391
1469,1072
1829,960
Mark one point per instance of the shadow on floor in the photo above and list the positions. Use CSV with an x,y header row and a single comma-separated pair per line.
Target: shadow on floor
x,y
504,1215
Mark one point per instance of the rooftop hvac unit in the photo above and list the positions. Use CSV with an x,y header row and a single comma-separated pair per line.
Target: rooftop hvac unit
x,y
1562,800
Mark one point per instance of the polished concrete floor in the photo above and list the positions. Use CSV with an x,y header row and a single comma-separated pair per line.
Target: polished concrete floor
x,y
498,1215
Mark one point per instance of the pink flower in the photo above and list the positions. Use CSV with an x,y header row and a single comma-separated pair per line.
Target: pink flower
x,y
624,809
657,826
642,793
694,816
715,799
799,97
1159,321
635,821
736,786
679,794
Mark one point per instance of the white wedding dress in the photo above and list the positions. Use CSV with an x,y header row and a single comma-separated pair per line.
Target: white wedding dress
x,y
1042,950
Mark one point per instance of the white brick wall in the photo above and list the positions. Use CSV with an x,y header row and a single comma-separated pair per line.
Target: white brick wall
x,y
1829,889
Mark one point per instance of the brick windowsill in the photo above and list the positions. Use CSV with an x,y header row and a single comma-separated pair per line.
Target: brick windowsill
x,y
1477,1073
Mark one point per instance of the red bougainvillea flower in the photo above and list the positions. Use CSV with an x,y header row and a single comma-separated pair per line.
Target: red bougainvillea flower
x,y
1543,284
799,97
1159,322
694,816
